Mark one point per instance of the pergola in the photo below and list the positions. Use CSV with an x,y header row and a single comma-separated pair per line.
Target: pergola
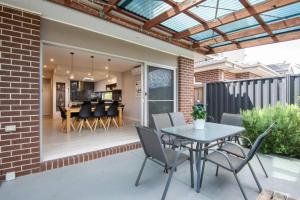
x,y
205,26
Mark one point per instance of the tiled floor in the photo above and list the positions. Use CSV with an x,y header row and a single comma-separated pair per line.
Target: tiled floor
x,y
113,177
58,144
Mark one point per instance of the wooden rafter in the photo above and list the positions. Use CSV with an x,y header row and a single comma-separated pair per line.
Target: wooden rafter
x,y
251,32
110,6
244,13
261,41
261,22
185,5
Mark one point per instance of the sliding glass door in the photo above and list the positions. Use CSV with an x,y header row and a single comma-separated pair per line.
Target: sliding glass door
x,y
159,95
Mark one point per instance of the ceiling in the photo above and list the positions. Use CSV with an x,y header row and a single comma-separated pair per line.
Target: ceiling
x,y
82,63
205,26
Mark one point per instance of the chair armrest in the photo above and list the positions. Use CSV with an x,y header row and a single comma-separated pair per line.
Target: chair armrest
x,y
237,145
245,138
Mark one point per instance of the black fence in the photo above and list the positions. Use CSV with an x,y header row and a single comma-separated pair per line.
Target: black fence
x,y
234,96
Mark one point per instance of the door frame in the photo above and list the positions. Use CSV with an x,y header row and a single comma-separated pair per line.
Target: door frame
x,y
144,96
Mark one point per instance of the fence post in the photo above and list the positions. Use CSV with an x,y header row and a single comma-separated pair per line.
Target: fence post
x,y
288,89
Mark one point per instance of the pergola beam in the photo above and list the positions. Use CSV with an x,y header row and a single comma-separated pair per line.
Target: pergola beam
x,y
185,5
261,22
251,32
261,41
244,13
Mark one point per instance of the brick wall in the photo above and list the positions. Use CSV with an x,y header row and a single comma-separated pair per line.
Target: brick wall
x,y
246,75
216,75
185,86
209,76
19,91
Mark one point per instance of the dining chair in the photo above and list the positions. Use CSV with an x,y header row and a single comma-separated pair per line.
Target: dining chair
x,y
99,114
154,151
112,114
63,115
234,163
237,120
84,115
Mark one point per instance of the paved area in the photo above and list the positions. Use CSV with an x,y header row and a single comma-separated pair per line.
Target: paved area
x,y
113,178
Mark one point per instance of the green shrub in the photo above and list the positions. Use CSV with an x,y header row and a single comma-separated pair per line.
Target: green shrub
x,y
285,138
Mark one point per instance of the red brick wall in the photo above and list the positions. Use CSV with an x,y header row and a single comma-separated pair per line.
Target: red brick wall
x,y
245,75
229,75
209,76
185,86
19,91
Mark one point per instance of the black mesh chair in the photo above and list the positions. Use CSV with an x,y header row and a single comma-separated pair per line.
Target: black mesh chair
x,y
63,115
236,120
154,151
99,114
112,114
84,115
234,163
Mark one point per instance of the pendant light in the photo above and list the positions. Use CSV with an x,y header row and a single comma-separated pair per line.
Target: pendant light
x,y
72,60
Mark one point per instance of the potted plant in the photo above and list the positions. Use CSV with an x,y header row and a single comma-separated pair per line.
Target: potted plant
x,y
199,116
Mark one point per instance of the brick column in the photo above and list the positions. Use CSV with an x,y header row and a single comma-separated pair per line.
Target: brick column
x,y
19,91
185,86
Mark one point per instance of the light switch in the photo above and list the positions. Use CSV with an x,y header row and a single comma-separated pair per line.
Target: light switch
x,y
10,128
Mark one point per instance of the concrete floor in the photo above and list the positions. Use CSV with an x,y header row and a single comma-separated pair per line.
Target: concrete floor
x,y
57,144
113,178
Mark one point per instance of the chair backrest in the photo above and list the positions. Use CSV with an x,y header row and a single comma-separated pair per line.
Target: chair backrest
x,y
177,118
113,109
232,119
100,109
62,112
257,144
152,144
161,121
85,111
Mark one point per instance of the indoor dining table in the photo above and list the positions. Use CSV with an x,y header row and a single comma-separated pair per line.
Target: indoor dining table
x,y
212,132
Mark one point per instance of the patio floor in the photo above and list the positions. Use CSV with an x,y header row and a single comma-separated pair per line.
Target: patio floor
x,y
113,178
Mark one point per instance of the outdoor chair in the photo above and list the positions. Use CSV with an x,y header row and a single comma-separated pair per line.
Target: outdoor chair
x,y
84,115
163,121
154,151
99,114
112,114
236,120
234,163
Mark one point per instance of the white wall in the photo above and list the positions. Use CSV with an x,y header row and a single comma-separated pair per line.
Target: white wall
x,y
132,103
116,77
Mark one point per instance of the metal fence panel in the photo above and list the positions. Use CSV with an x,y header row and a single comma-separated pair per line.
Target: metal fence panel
x,y
234,96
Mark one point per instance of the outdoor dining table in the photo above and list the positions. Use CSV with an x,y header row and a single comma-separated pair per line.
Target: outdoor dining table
x,y
203,137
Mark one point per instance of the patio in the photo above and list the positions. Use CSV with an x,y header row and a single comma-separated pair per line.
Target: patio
x,y
113,178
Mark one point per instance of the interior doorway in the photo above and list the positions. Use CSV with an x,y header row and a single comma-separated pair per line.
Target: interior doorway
x,y
47,96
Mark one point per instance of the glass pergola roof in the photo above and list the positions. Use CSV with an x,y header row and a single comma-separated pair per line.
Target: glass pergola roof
x,y
212,22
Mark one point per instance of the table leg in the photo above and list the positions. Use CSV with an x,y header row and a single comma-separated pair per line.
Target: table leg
x,y
68,121
198,165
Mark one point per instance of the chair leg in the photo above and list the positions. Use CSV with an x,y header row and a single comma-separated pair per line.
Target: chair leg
x,y
95,123
80,126
192,167
89,125
240,186
115,122
217,171
103,124
108,122
262,166
140,173
168,183
255,178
